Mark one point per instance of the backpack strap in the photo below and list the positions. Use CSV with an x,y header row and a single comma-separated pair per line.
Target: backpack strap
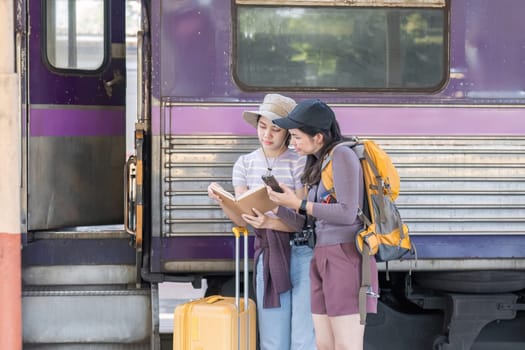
x,y
379,180
327,177
366,283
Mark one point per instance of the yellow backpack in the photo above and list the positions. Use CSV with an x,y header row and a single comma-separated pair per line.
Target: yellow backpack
x,y
384,234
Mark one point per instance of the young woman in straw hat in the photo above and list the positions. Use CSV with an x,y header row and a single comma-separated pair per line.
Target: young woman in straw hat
x,y
282,259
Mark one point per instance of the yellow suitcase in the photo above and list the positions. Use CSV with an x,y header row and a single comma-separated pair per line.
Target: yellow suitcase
x,y
217,322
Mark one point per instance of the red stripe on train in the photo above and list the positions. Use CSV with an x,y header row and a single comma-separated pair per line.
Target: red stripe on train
x,y
10,292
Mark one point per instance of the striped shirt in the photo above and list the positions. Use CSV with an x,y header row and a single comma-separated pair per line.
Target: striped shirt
x,y
287,168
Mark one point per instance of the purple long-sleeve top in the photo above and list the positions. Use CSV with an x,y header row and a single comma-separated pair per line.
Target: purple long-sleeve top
x,y
335,222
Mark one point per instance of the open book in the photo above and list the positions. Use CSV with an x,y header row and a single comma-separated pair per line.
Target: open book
x,y
255,198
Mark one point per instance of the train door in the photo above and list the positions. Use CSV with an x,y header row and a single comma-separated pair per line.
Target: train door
x,y
76,113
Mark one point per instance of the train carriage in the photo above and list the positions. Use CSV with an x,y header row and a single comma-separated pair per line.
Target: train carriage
x,y
437,83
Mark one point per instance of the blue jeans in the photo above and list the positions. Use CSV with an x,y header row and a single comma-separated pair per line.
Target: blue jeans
x,y
289,326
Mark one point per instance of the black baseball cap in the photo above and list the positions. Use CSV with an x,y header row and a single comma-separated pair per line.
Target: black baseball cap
x,y
313,113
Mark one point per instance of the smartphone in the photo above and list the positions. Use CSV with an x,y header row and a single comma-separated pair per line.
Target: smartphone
x,y
270,180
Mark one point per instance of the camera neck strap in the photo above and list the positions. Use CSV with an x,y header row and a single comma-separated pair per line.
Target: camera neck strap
x,y
309,220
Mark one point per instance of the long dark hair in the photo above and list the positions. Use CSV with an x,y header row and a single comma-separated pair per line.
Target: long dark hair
x,y
312,169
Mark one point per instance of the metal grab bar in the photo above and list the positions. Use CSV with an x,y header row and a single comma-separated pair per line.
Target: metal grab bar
x,y
130,198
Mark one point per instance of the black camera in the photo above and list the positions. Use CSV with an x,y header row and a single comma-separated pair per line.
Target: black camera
x,y
305,237
311,237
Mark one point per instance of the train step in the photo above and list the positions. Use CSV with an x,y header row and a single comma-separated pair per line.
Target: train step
x,y
101,317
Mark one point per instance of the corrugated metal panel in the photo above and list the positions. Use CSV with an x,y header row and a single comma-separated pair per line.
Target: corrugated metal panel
x,y
452,185
189,164
459,185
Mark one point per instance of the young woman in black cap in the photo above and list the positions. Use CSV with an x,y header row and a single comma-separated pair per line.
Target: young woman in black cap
x,y
335,270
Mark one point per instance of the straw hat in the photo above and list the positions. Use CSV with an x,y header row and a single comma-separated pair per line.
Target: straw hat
x,y
274,106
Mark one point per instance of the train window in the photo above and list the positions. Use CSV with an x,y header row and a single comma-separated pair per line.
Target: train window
x,y
75,34
340,47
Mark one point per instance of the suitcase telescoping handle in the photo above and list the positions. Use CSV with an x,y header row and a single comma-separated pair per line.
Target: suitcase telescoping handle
x,y
237,233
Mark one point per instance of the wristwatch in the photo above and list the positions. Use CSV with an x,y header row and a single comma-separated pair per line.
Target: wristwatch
x,y
302,208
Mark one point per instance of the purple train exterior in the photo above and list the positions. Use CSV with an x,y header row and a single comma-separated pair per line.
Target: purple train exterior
x,y
438,83
482,96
